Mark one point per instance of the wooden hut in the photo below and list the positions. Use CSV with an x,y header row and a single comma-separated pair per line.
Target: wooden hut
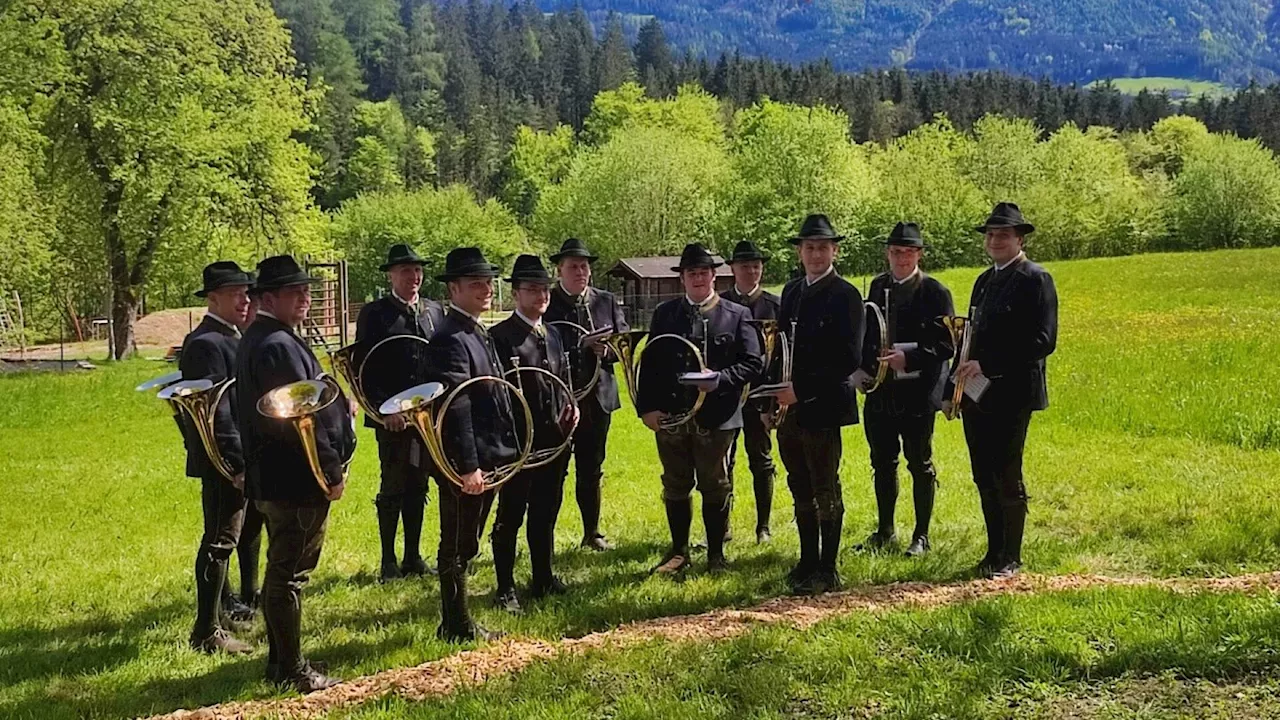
x,y
646,282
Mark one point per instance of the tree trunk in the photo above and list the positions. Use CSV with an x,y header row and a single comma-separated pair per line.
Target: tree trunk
x,y
124,313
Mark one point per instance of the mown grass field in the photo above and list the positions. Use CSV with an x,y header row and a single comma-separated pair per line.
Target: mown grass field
x,y
1159,458
1190,88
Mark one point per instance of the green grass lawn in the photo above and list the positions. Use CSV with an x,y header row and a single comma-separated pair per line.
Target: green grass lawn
x,y
1189,88
1159,457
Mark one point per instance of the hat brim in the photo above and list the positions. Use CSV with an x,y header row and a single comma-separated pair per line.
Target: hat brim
x,y
749,257
486,270
284,282
894,242
407,261
801,238
571,254
681,268
539,279
1021,228
246,281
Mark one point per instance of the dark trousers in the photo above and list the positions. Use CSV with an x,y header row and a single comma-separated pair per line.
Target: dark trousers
x,y
541,492
249,551
295,535
402,494
812,459
223,508
589,443
996,442
759,446
462,519
912,436
693,458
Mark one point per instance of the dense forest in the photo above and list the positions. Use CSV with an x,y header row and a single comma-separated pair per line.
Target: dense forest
x,y
1231,41
141,139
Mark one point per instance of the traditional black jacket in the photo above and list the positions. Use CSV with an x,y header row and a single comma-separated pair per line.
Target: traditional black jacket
x,y
271,355
915,309
829,319
1015,330
730,345
763,305
479,429
393,371
597,310
209,353
514,337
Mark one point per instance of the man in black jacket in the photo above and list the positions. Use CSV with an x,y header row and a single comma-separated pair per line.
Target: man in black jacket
x,y
398,365
478,431
1015,327
278,476
826,314
530,342
575,300
899,414
748,269
696,454
209,353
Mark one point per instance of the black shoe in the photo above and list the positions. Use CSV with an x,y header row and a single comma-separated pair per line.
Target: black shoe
x,y
985,567
673,564
254,601
508,600
416,567
541,589
817,583
877,541
390,571
597,543
800,573
919,546
717,565
308,680
763,535
233,625
238,612
469,633
220,641
1007,570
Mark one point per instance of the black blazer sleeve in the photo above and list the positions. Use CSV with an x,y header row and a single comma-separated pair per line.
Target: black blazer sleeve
x,y
452,364
202,359
750,360
280,364
1041,300
844,348
936,348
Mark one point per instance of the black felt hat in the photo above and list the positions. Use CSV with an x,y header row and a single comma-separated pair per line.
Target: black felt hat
x,y
696,256
906,235
1007,215
573,247
401,254
222,274
529,268
746,250
816,227
281,271
467,262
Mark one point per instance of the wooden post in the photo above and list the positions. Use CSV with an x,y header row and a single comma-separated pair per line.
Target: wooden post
x,y
22,328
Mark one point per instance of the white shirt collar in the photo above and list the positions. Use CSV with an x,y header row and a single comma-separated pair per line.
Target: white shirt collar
x,y
476,318
908,278
1016,258
527,321
809,283
748,293
410,303
222,320
575,297
710,296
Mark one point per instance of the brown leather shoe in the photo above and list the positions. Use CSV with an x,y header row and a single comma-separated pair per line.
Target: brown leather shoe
x,y
673,564
221,641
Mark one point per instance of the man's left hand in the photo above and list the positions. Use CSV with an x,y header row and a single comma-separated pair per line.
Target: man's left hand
x,y
897,360
968,369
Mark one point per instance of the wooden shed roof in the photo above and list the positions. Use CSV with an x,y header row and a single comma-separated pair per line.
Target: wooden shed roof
x,y
654,268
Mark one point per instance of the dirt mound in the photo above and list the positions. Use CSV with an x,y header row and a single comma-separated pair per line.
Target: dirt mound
x,y
167,327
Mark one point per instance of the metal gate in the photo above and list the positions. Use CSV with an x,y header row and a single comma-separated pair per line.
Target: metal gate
x,y
328,321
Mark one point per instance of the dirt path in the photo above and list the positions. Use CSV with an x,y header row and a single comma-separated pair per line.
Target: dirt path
x,y
442,677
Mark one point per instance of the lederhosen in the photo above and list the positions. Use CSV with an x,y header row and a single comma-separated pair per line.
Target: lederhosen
x,y
1015,330
404,462
763,305
696,455
828,317
593,310
899,415
541,490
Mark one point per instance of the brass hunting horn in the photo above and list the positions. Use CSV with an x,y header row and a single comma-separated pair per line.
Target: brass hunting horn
x,y
419,405
199,399
344,364
779,347
545,456
961,329
299,403
882,322
583,334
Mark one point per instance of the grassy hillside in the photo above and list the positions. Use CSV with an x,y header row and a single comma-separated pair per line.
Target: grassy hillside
x,y
1069,40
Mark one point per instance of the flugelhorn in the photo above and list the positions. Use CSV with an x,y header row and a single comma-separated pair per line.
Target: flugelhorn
x,y
882,322
299,403
419,406
343,360
545,456
199,399
961,329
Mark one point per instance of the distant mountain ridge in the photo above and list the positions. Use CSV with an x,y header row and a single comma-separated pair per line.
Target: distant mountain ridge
x,y
1229,41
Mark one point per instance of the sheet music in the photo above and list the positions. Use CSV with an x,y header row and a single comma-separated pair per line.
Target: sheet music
x,y
976,386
